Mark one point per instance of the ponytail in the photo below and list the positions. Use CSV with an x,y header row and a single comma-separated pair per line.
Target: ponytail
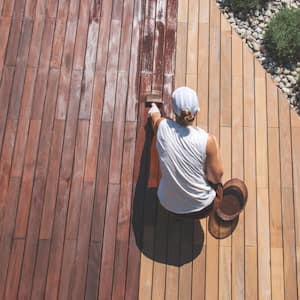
x,y
186,118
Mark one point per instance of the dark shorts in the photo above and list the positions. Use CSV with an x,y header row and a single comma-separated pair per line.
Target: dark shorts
x,y
203,213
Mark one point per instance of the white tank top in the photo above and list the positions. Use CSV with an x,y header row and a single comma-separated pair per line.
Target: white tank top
x,y
183,187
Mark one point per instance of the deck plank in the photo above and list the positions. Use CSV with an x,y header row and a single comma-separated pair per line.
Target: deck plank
x,y
275,193
4,34
64,186
39,188
264,285
238,256
212,245
287,201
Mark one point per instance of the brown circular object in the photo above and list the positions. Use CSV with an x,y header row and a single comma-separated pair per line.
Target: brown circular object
x,y
219,228
234,199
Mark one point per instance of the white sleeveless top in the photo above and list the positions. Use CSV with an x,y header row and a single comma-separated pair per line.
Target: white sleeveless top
x,y
183,187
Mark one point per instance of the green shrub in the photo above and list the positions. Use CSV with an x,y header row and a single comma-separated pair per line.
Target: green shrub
x,y
282,37
244,5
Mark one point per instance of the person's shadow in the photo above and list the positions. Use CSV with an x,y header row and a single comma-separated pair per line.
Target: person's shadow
x,y
159,234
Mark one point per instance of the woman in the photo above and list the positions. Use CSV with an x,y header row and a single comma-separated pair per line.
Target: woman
x,y
189,157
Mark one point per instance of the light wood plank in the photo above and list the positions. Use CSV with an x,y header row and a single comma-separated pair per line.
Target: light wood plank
x,y
226,72
263,234
238,256
181,55
287,201
192,37
203,63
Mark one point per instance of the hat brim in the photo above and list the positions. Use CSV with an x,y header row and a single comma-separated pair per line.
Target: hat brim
x,y
219,228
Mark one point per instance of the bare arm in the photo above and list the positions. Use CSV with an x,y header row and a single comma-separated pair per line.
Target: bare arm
x,y
214,169
155,117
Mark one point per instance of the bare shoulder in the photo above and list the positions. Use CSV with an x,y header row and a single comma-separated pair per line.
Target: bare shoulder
x,y
212,145
156,123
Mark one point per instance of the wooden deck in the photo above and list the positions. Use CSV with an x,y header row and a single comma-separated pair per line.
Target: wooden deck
x,y
79,217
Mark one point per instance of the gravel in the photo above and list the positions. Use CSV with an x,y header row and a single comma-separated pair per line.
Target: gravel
x,y
251,27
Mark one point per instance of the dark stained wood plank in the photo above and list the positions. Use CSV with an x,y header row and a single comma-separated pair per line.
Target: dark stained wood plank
x,y
19,9
7,228
52,6
36,42
13,42
5,89
133,85
63,98
109,235
42,76
52,180
104,32
64,186
15,264
4,33
47,43
102,182
159,45
145,234
118,129
123,226
63,10
76,196
126,35
58,43
6,160
39,187
89,71
148,45
95,128
24,120
81,260
93,274
27,179
41,8
111,75
1,5
60,34
41,267
74,10
67,269
30,9
8,7
82,33
170,40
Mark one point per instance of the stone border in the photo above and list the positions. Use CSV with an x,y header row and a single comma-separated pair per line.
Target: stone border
x,y
251,27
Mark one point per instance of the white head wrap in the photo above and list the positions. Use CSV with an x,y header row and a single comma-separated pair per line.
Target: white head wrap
x,y
185,98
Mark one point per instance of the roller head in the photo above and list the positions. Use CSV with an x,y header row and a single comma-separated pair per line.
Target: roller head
x,y
153,98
